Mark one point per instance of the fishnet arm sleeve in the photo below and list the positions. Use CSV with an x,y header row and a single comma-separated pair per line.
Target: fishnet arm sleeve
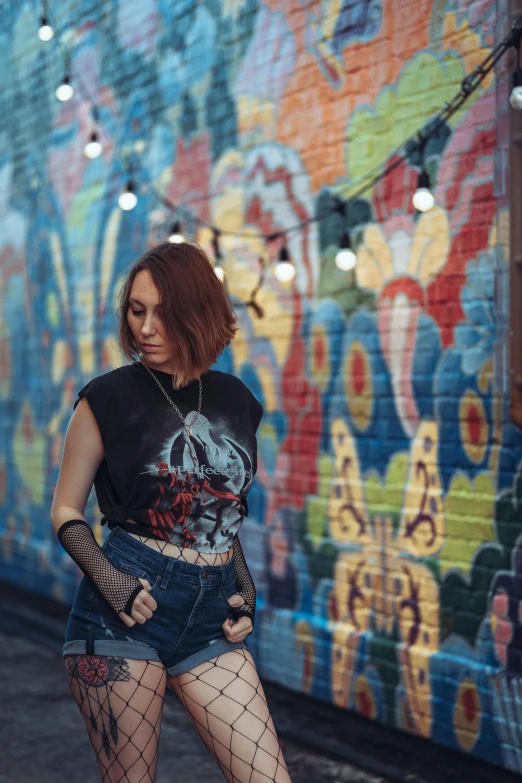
x,y
245,584
118,589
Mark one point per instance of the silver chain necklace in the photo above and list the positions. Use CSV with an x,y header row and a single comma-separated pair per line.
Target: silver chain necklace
x,y
176,407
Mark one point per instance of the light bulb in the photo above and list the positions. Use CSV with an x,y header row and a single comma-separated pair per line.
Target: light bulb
x,y
284,271
220,272
127,199
175,236
345,259
65,91
46,32
93,148
423,199
515,98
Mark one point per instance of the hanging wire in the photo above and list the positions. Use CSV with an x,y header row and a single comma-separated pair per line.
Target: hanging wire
x,y
82,87
468,86
431,128
215,245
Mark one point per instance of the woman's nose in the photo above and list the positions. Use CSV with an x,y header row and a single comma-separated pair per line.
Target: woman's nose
x,y
147,326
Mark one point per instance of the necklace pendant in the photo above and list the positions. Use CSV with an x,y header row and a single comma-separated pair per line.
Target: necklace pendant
x,y
189,431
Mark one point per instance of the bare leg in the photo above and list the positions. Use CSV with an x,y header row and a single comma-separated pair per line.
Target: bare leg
x,y
227,704
121,702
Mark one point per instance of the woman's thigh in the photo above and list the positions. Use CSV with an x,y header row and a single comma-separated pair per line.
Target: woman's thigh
x,y
226,701
121,702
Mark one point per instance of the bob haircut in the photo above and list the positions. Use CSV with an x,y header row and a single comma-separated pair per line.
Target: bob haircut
x,y
197,314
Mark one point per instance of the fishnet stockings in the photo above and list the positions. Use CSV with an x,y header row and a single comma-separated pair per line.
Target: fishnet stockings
x,y
187,554
226,702
121,701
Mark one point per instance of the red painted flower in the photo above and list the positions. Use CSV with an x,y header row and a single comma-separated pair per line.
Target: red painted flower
x,y
93,669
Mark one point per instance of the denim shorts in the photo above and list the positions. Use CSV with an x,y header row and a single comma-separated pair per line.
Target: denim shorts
x,y
184,631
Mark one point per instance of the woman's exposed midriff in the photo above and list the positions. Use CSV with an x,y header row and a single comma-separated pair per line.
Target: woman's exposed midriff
x,y
187,554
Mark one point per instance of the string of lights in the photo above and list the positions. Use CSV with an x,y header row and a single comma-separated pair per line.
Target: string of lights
x,y
345,259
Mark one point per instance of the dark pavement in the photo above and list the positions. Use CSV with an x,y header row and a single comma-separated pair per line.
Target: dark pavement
x,y
44,739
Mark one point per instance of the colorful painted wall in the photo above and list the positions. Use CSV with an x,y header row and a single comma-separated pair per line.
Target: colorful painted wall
x,y
385,521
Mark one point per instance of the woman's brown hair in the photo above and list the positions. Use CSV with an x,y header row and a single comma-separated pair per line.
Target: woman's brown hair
x,y
196,311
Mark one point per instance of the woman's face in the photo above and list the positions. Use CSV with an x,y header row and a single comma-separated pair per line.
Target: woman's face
x,y
145,321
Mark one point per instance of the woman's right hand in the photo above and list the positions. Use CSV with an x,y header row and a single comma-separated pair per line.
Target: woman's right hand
x,y
142,608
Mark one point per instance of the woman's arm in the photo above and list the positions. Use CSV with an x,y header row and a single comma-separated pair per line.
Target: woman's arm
x,y
245,584
82,455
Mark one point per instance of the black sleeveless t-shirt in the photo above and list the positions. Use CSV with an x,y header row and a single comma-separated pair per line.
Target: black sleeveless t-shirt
x,y
149,473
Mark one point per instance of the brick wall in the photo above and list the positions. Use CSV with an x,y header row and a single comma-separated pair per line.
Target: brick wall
x,y
384,522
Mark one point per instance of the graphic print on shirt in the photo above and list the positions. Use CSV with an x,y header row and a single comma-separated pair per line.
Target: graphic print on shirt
x,y
199,502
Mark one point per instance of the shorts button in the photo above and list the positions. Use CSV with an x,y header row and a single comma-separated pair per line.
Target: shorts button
x,y
205,573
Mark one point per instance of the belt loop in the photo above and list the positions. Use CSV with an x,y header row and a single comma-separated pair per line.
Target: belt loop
x,y
166,576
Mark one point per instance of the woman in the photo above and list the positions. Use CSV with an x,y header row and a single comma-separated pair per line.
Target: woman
x,y
168,600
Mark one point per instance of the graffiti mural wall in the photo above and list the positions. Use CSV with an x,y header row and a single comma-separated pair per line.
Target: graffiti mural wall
x,y
384,532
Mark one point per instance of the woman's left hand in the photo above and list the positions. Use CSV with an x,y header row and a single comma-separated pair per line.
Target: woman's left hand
x,y
236,630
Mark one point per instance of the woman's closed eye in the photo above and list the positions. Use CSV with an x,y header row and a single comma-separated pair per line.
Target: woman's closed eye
x,y
140,312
